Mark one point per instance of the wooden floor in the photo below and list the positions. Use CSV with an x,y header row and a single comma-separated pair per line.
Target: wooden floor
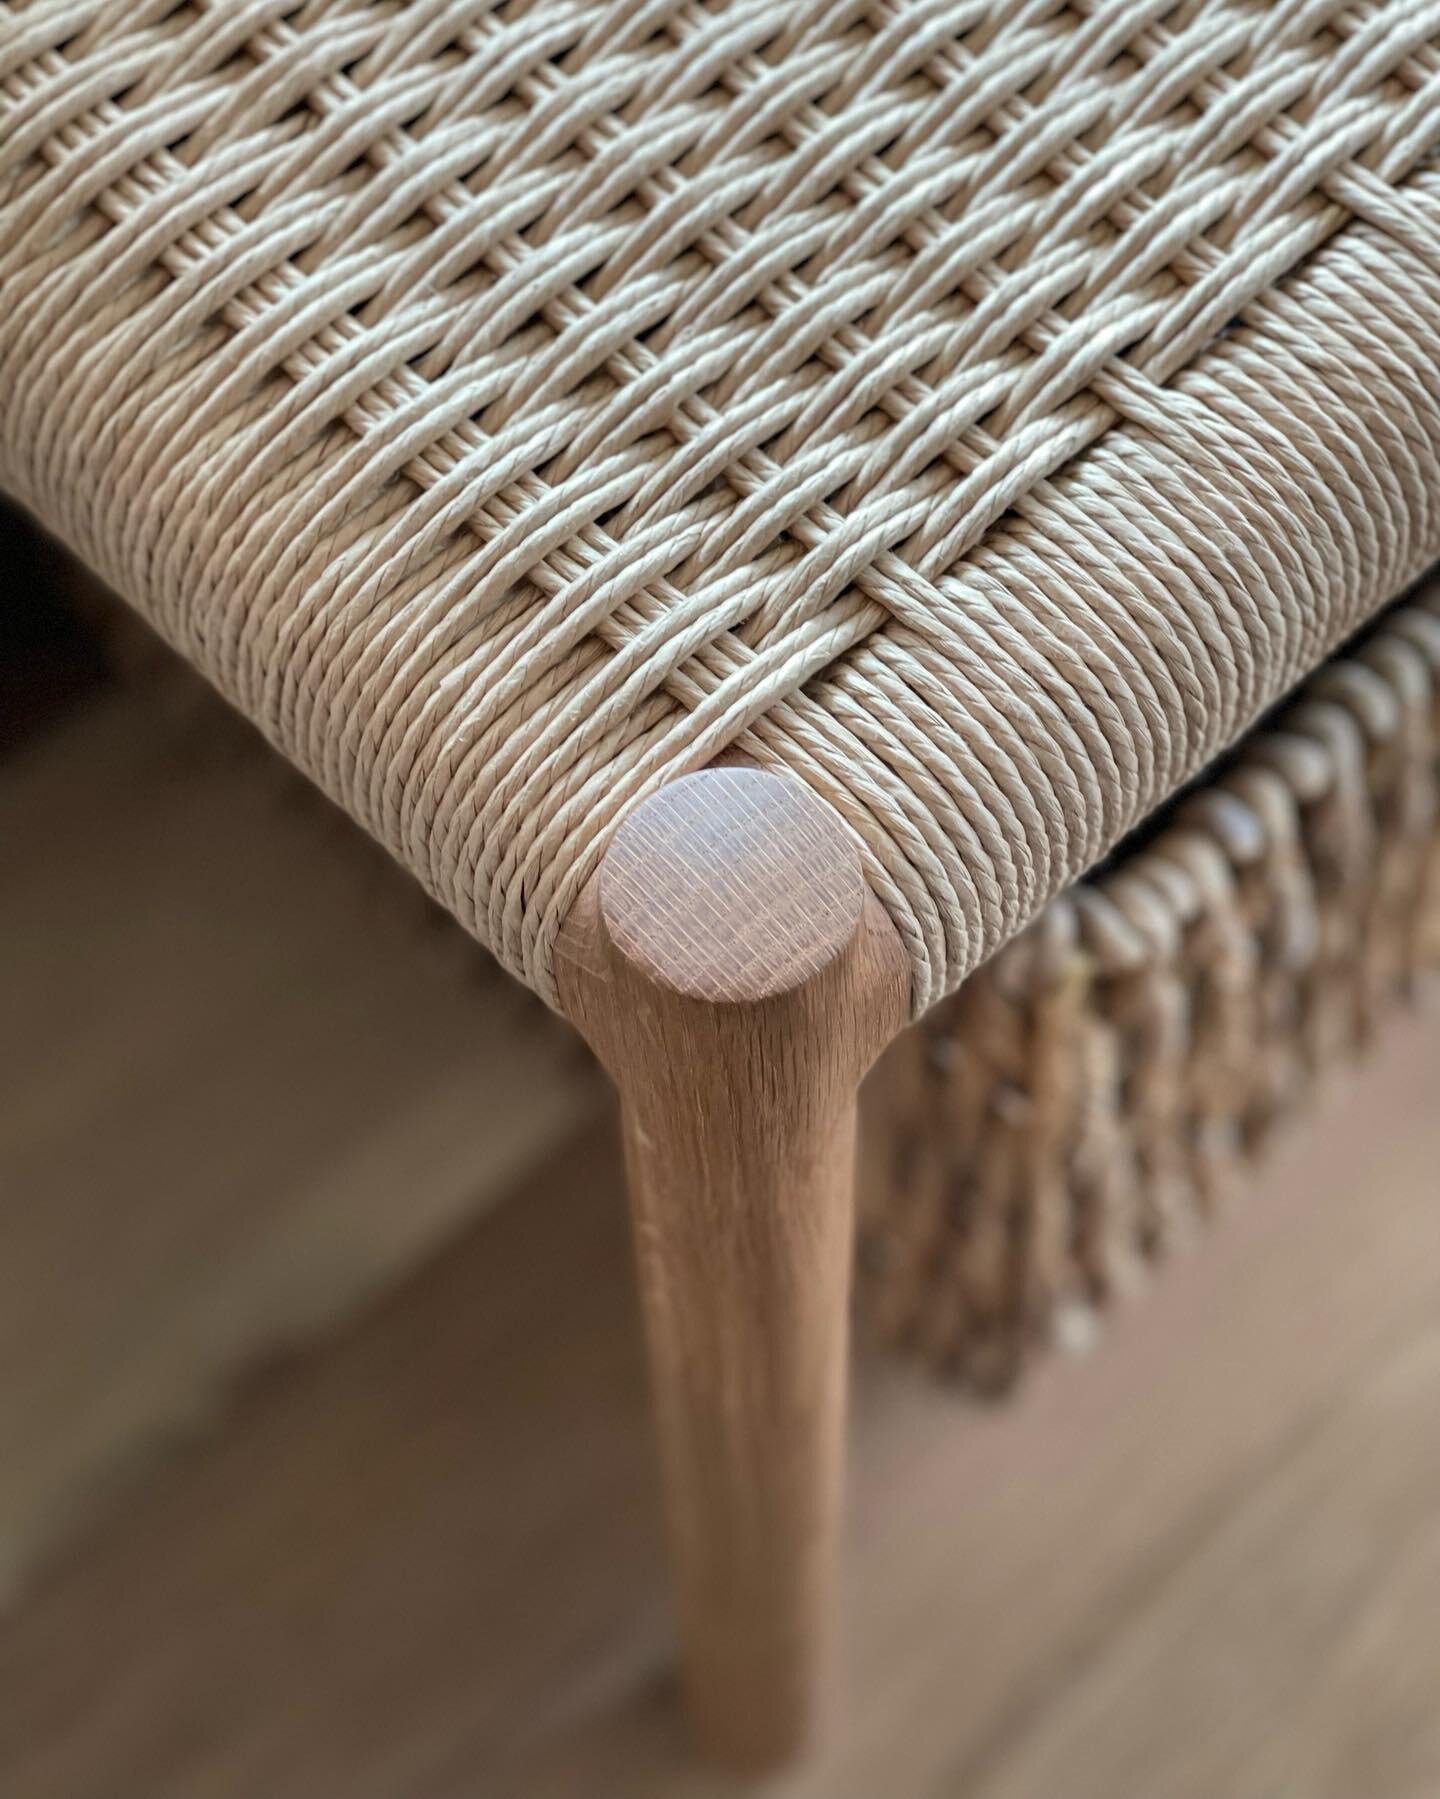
x,y
242,1087
417,1557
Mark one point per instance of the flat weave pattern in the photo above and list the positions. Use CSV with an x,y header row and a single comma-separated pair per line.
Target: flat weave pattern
x,y
979,408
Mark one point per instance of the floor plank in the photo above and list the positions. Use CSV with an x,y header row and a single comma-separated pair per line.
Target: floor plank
x,y
241,1089
1326,1574
425,1561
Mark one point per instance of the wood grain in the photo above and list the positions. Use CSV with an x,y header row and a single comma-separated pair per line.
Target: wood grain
x,y
424,1562
1335,1543
735,976
242,1088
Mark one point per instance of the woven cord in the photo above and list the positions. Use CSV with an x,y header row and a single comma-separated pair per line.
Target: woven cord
x,y
1081,1109
980,410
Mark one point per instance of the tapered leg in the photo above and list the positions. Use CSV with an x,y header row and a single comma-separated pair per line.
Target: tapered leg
x,y
736,977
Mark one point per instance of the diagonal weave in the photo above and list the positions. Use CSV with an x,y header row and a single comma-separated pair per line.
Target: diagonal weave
x,y
982,409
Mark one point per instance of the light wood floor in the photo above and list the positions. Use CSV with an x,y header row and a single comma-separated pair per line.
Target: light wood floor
x,y
243,1085
417,1557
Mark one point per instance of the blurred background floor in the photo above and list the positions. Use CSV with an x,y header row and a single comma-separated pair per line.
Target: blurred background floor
x,y
324,1454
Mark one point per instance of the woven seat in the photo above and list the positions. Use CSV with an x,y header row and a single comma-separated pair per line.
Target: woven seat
x,y
1076,1112
982,411
750,503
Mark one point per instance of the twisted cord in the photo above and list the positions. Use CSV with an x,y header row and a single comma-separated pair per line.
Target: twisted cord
x,y
979,408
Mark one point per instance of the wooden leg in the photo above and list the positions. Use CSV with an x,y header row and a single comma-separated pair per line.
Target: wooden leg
x,y
736,977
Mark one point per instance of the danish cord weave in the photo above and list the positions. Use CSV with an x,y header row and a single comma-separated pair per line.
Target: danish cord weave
x,y
980,408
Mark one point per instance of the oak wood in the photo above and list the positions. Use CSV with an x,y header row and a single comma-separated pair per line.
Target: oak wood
x,y
243,1088
736,977
422,1561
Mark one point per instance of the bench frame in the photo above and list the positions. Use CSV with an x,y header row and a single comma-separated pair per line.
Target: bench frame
x,y
736,977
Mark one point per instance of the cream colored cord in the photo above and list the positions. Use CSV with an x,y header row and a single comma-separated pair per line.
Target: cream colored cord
x,y
982,410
